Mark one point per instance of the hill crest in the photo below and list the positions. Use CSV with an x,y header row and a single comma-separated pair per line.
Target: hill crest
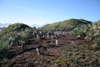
x,y
70,22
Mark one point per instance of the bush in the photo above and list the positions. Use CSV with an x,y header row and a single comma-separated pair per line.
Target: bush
x,y
97,41
4,49
70,27
79,31
90,32
4,61
24,37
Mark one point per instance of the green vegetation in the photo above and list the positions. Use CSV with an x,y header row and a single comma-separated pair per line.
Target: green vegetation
x,y
11,35
76,56
49,61
68,24
79,31
4,61
14,27
89,33
97,40
80,56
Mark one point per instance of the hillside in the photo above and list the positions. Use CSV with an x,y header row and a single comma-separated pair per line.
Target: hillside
x,y
22,46
67,23
89,33
12,35
69,52
14,27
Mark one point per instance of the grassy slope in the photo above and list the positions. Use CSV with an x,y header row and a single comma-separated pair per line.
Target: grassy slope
x,y
70,22
14,27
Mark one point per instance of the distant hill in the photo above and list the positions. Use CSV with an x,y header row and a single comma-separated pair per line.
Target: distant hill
x,y
1,28
35,25
4,24
70,22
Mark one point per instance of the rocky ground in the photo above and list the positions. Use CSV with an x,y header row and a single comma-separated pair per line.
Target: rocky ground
x,y
49,55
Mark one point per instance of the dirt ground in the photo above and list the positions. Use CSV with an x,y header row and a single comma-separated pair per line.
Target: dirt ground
x,y
48,54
